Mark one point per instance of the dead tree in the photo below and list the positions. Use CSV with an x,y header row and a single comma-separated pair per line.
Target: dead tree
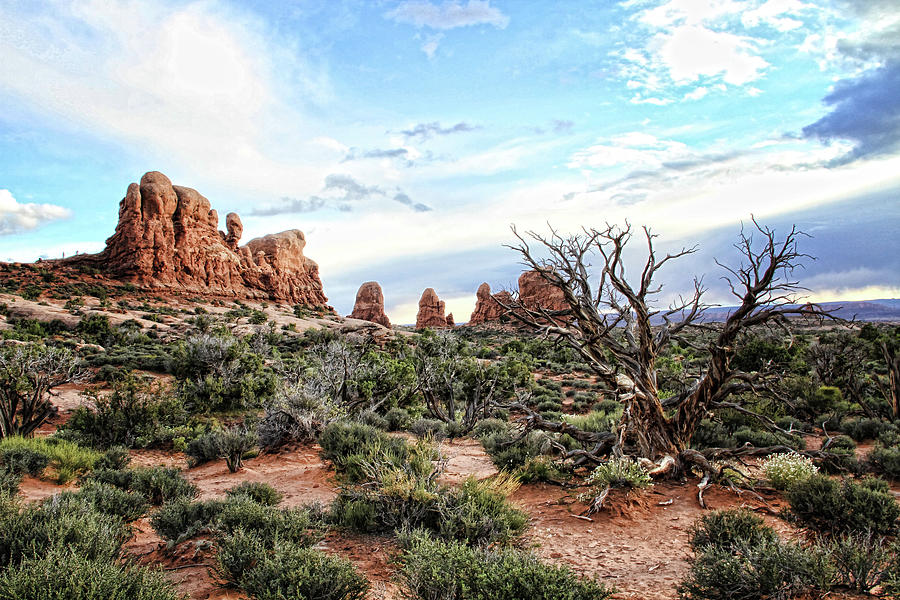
x,y
28,375
614,326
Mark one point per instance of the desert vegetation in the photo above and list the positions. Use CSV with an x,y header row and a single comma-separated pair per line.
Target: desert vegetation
x,y
172,424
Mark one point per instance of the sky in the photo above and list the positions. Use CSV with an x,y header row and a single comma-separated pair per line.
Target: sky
x,y
406,137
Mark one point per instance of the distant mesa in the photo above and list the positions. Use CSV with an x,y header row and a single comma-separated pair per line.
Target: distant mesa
x,y
167,239
431,311
369,305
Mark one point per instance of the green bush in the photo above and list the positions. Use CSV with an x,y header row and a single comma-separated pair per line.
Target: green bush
x,y
290,571
866,428
9,482
156,484
63,575
768,569
830,506
111,500
204,448
786,470
398,419
22,459
261,493
235,443
432,428
181,518
57,524
116,457
348,445
728,529
886,459
133,412
863,560
763,439
620,472
478,513
431,569
66,458
293,525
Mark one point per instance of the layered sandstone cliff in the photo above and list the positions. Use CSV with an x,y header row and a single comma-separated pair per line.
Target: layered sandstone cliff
x,y
167,239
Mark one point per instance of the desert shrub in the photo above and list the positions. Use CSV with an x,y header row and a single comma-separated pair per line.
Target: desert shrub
x,y
111,500
349,446
116,457
712,434
762,439
63,575
432,428
398,419
204,448
842,443
728,529
289,571
56,524
67,459
9,482
219,372
791,423
181,518
133,412
596,421
862,560
830,506
886,459
370,417
235,443
478,513
785,470
261,493
432,569
490,426
23,459
865,428
292,416
231,444
156,484
294,525
770,569
620,472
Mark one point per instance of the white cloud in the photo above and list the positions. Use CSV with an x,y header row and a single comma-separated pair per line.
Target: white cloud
x,y
777,14
634,149
448,15
16,217
693,51
697,93
431,44
691,12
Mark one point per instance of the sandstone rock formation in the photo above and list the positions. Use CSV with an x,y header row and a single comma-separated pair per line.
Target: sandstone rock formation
x,y
431,311
369,305
167,238
449,320
535,292
487,308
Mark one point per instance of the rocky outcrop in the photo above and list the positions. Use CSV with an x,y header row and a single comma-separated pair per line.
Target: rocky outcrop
x,y
535,292
431,311
449,320
167,238
369,305
487,305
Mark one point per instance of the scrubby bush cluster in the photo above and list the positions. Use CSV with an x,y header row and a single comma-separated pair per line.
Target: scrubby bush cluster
x,y
786,470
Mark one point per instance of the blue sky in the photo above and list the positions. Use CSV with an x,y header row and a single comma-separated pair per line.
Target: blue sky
x,y
404,137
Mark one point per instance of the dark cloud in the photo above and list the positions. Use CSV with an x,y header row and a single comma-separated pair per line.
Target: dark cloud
x,y
562,126
407,201
357,154
865,108
424,131
340,192
866,111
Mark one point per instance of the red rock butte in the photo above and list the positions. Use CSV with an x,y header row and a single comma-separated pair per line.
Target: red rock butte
x,y
369,305
488,306
431,311
167,239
